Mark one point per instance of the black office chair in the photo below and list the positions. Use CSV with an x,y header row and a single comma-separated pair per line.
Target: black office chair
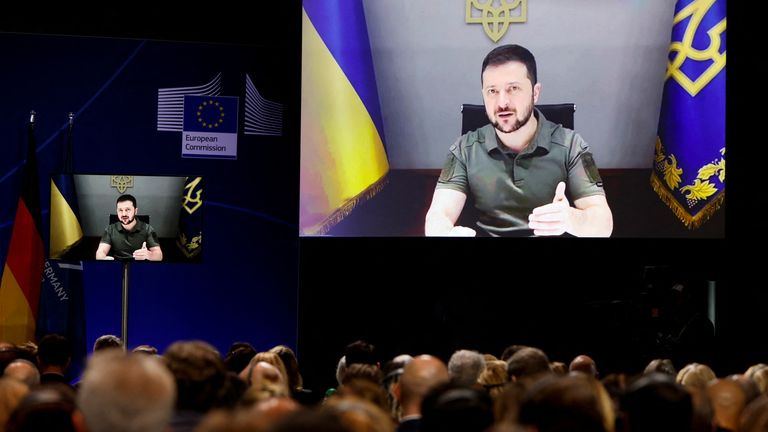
x,y
473,116
142,217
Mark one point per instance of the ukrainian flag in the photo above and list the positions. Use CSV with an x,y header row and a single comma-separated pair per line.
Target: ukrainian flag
x,y
689,160
66,231
342,139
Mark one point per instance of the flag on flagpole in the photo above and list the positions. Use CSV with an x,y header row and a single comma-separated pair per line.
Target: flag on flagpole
x,y
62,303
190,239
343,160
66,231
689,159
20,285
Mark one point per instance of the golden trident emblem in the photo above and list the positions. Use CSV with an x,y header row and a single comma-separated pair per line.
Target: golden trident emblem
x,y
684,49
496,19
192,203
121,183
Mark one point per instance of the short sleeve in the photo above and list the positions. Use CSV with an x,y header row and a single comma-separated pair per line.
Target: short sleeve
x,y
152,240
583,176
454,172
106,237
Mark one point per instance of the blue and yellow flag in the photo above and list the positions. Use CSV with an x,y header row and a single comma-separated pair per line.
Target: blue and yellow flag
x,y
689,163
342,139
66,231
62,304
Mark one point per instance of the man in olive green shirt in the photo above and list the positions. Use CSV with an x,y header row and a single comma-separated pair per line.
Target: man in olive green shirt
x,y
129,238
518,167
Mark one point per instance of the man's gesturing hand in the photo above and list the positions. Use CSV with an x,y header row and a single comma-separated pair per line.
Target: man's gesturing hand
x,y
141,254
552,219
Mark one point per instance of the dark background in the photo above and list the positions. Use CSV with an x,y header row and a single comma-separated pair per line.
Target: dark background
x,y
415,295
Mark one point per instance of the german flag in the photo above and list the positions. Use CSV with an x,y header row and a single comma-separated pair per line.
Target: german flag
x,y
20,286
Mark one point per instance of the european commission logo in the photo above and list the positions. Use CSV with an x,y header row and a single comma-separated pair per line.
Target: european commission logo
x,y
210,127
209,124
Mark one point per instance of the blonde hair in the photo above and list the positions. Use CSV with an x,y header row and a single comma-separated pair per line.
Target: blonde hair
x,y
759,374
695,374
493,377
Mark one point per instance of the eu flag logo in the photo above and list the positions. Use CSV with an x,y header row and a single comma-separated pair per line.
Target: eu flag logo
x,y
210,114
210,127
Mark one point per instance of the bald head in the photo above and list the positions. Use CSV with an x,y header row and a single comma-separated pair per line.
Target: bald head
x,y
419,376
583,364
24,371
728,401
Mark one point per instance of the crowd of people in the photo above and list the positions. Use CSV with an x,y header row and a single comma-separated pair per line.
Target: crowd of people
x,y
193,387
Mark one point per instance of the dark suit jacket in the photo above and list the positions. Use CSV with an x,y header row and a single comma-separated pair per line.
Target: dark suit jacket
x,y
411,425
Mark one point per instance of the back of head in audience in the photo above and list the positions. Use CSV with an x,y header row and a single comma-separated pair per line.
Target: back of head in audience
x,y
199,373
260,417
360,352
123,392
53,351
8,353
759,374
465,367
359,415
528,362
728,401
583,364
392,371
238,357
311,420
264,381
661,365
364,371
11,394
695,374
420,375
295,381
566,403
656,403
107,341
510,351
755,416
452,407
45,408
24,371
270,358
558,368
145,349
367,390
494,377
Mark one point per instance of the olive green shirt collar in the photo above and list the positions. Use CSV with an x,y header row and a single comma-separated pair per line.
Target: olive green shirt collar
x,y
542,138
136,228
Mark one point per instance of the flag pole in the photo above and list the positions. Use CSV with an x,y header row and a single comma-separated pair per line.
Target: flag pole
x,y
124,320
68,148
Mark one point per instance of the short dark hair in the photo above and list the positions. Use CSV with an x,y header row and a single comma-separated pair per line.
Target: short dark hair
x,y
54,350
360,352
107,341
127,197
509,53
